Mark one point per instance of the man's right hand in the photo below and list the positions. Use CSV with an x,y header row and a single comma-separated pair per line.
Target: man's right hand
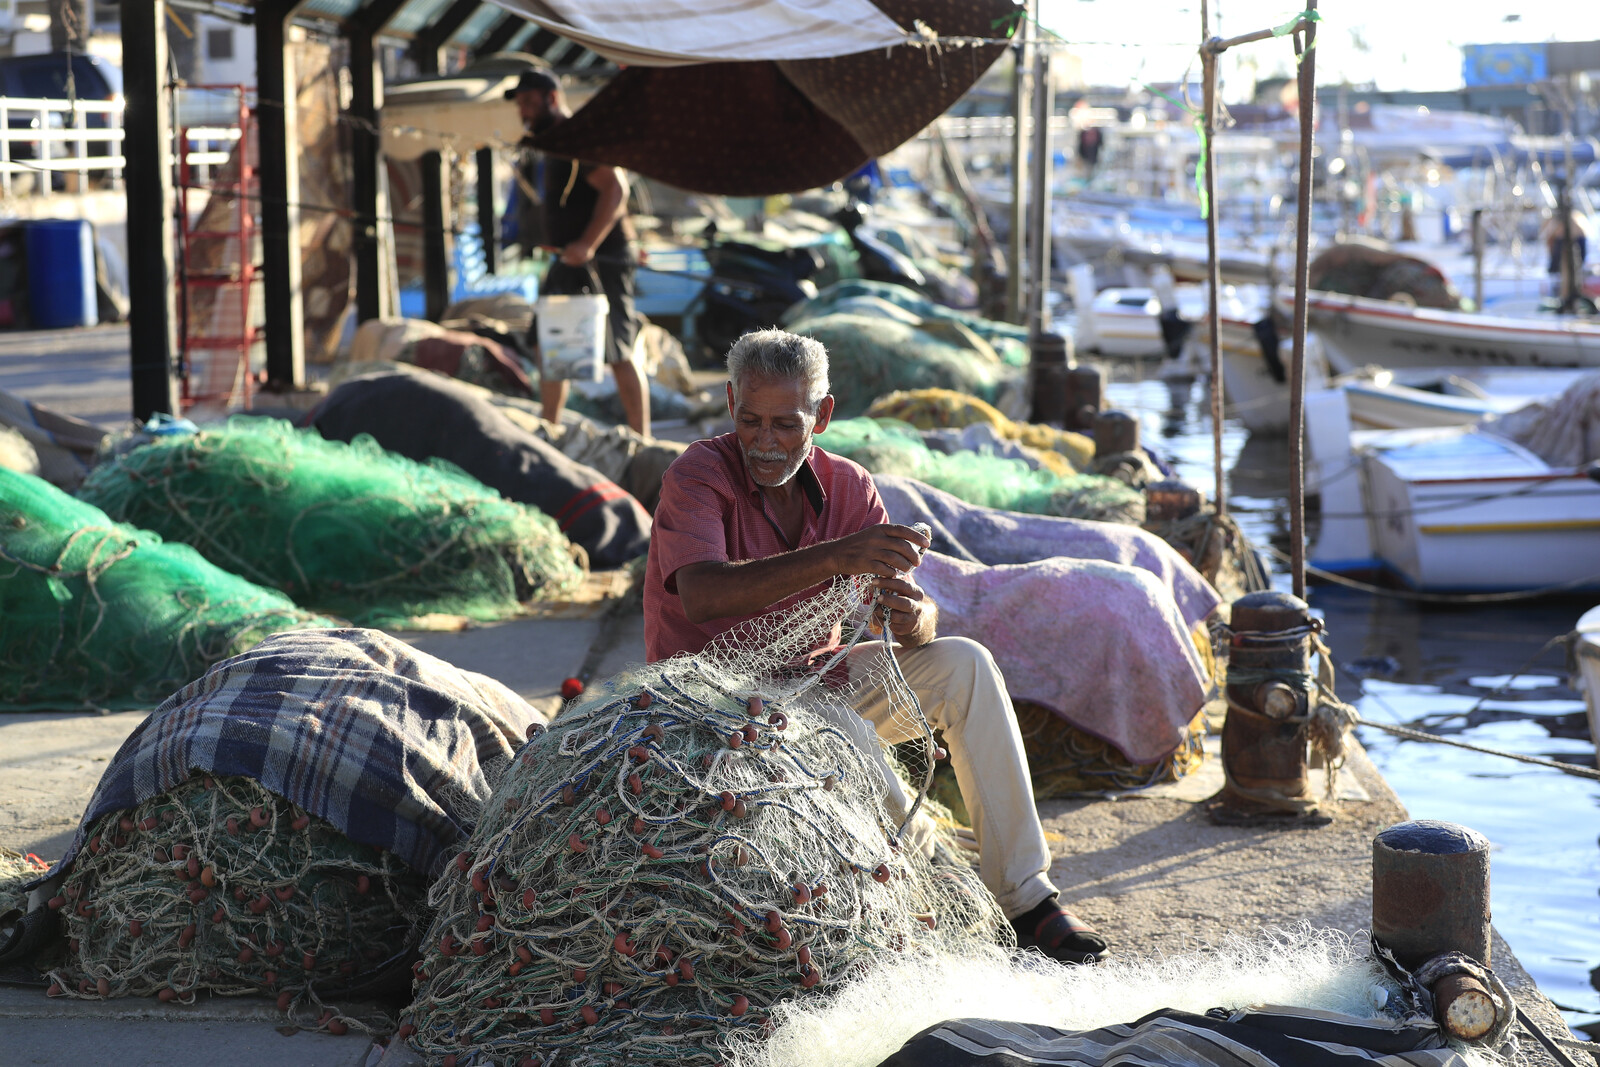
x,y
886,550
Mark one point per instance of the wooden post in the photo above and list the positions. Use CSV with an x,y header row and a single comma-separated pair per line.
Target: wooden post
x,y
279,139
147,177
1016,280
1297,363
487,228
1039,194
425,46
366,97
1208,72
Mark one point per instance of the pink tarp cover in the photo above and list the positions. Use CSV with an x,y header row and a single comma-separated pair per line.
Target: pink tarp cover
x,y
1101,644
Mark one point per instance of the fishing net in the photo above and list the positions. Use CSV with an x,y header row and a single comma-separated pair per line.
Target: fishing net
x,y
694,843
885,446
220,885
16,871
1066,761
1217,548
870,356
93,612
932,409
345,528
1008,340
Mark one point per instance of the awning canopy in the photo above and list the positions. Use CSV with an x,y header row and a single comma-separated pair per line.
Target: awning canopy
x,y
760,128
669,33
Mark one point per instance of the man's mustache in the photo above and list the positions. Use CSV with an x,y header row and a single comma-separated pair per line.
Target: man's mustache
x,y
768,457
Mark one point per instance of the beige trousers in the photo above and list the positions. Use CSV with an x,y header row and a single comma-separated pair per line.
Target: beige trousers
x,y
963,694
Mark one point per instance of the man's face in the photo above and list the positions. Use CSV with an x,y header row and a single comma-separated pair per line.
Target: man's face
x,y
774,425
534,106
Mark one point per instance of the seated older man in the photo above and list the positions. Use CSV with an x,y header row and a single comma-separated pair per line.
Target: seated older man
x,y
755,518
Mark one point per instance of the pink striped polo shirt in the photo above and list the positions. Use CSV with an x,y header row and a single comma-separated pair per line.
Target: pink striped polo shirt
x,y
711,510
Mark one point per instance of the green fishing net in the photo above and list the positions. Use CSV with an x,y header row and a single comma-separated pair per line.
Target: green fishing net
x,y
1008,340
93,612
869,356
346,528
886,446
223,886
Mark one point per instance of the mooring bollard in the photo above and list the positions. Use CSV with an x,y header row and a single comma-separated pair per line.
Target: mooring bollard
x,y
1085,393
1430,891
1264,739
1115,432
1049,355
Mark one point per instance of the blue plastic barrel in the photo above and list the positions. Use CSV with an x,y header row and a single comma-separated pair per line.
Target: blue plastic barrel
x,y
61,289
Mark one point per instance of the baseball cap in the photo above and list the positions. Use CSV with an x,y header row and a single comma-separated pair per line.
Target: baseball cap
x,y
534,81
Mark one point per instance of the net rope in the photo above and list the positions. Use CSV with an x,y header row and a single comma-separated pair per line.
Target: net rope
x,y
346,528
694,842
95,612
221,886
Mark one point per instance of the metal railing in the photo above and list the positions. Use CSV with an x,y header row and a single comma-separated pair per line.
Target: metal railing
x,y
83,138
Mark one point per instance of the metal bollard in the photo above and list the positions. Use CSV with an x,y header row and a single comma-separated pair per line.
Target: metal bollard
x,y
1430,891
1085,393
1261,749
1463,1006
1170,500
1049,355
1114,432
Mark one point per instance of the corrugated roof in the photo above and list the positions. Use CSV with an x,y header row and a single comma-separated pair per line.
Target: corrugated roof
x,y
417,14
338,9
516,43
482,20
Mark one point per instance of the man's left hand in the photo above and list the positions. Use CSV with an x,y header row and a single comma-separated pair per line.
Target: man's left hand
x,y
577,254
911,613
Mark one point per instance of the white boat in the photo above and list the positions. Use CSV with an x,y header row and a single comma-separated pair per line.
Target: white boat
x,y
1255,389
1449,509
1416,397
1357,332
1587,653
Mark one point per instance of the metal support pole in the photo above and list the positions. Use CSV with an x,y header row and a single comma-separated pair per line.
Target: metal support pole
x,y
279,140
1477,259
147,178
1016,282
366,97
1039,195
1297,363
435,238
486,219
1208,71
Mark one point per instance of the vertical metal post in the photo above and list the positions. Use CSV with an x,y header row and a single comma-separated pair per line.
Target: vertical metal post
x,y
1039,193
279,139
1208,70
1477,259
1016,281
147,178
435,238
366,97
1297,363
486,219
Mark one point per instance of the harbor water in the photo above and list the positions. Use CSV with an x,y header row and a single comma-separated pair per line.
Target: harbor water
x,y
1477,672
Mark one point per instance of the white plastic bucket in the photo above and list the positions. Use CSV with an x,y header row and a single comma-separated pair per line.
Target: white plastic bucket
x,y
572,336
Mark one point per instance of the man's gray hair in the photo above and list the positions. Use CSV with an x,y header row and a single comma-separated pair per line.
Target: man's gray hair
x,y
781,356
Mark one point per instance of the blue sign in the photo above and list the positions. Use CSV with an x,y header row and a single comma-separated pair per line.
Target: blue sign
x,y
1503,64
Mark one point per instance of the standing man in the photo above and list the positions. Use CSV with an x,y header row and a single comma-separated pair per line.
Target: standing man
x,y
584,220
753,520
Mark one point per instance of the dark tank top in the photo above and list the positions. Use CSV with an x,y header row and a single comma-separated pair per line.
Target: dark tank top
x,y
569,203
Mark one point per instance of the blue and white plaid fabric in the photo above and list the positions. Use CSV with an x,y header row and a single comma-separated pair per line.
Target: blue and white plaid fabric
x,y
394,747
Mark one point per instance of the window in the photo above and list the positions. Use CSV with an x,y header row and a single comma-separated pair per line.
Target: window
x,y
219,43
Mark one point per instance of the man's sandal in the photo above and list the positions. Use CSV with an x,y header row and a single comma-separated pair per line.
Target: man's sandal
x,y
1066,938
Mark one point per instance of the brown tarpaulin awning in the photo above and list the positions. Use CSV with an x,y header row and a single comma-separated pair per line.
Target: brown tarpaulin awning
x,y
760,128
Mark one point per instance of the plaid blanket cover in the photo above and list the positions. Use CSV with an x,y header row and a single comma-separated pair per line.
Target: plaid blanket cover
x,y
394,747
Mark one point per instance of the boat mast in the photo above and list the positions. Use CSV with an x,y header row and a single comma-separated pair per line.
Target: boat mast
x,y
1208,73
1305,48
1039,190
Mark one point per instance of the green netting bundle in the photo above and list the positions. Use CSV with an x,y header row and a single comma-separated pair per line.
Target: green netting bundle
x,y
1009,340
220,885
93,612
345,528
870,356
886,446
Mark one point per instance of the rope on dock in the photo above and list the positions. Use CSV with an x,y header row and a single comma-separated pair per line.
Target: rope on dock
x,y
1539,761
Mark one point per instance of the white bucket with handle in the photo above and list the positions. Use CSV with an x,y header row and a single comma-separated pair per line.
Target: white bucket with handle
x,y
572,336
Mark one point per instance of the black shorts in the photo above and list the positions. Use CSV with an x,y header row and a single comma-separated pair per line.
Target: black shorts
x,y
615,276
